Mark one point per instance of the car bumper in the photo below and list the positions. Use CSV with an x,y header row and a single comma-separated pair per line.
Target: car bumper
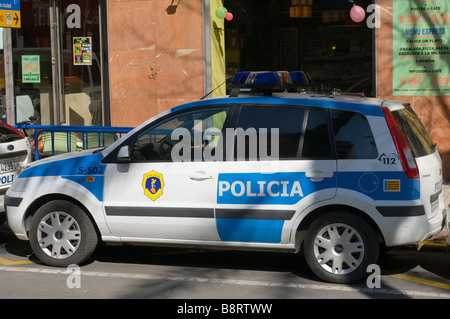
x,y
401,231
15,215
2,209
435,226
2,201
447,224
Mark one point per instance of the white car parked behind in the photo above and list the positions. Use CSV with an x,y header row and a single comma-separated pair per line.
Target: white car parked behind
x,y
15,152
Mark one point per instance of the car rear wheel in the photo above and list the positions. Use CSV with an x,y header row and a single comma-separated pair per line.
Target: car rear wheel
x,y
61,234
339,246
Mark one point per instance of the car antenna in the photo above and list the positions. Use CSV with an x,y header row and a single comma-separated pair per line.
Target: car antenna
x,y
214,89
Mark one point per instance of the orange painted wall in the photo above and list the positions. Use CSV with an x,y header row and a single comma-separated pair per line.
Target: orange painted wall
x,y
155,57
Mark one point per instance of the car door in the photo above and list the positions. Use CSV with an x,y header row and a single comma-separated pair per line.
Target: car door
x,y
163,182
283,162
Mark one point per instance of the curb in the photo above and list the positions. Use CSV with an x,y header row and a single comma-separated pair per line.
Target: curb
x,y
434,245
439,241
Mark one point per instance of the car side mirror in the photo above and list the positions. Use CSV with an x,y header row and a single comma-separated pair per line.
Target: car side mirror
x,y
124,154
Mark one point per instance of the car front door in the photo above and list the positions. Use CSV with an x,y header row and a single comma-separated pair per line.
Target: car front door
x,y
162,183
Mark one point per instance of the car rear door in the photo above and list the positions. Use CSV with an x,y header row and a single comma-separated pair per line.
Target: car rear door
x,y
280,161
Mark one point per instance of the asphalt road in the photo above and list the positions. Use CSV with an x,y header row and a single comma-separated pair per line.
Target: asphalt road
x,y
191,276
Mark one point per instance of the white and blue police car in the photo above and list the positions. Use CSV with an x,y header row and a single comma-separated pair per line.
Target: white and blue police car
x,y
335,177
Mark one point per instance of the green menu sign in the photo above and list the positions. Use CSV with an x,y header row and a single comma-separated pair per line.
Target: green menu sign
x,y
31,69
421,47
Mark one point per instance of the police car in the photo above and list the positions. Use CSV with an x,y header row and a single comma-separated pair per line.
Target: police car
x,y
15,152
335,177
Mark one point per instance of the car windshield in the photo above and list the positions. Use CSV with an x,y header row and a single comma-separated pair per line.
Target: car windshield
x,y
6,135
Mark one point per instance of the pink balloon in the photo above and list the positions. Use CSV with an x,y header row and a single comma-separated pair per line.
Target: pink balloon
x,y
229,16
357,14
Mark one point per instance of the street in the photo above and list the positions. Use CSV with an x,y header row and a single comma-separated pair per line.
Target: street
x,y
188,274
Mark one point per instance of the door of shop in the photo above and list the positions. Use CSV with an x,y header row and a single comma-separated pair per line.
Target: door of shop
x,y
57,69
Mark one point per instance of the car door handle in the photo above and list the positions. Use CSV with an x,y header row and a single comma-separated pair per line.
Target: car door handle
x,y
318,175
200,176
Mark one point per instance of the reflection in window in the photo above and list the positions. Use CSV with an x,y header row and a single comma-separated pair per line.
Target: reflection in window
x,y
286,120
353,136
316,142
189,136
418,138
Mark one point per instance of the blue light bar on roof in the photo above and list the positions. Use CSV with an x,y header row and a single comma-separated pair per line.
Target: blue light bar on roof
x,y
285,77
298,77
257,82
240,77
264,78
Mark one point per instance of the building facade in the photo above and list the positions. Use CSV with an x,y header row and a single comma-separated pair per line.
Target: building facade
x,y
118,63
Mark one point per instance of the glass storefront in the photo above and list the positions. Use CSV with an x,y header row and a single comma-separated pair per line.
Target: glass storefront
x,y
314,36
58,73
57,68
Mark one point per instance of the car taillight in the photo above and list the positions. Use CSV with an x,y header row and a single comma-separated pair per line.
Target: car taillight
x,y
402,145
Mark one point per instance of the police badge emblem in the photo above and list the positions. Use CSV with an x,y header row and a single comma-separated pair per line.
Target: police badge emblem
x,y
153,185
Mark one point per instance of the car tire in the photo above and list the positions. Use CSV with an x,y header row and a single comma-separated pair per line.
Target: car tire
x,y
339,246
62,234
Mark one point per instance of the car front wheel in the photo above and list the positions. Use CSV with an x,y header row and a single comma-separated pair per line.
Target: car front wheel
x,y
339,246
61,234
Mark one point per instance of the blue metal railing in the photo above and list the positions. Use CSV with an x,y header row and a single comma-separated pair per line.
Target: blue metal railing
x,y
76,137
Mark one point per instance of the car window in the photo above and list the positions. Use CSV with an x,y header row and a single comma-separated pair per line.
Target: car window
x,y
187,136
418,138
7,135
316,143
277,129
353,136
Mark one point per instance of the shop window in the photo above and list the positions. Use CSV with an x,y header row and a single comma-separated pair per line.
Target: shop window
x,y
62,39
348,144
314,36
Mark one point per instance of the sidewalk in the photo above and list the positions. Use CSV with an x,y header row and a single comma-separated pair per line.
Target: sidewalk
x,y
439,241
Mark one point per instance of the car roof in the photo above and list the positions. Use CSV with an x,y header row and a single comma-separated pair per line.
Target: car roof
x,y
365,105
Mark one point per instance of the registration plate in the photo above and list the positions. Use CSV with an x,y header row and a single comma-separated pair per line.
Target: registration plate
x,y
435,205
9,166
